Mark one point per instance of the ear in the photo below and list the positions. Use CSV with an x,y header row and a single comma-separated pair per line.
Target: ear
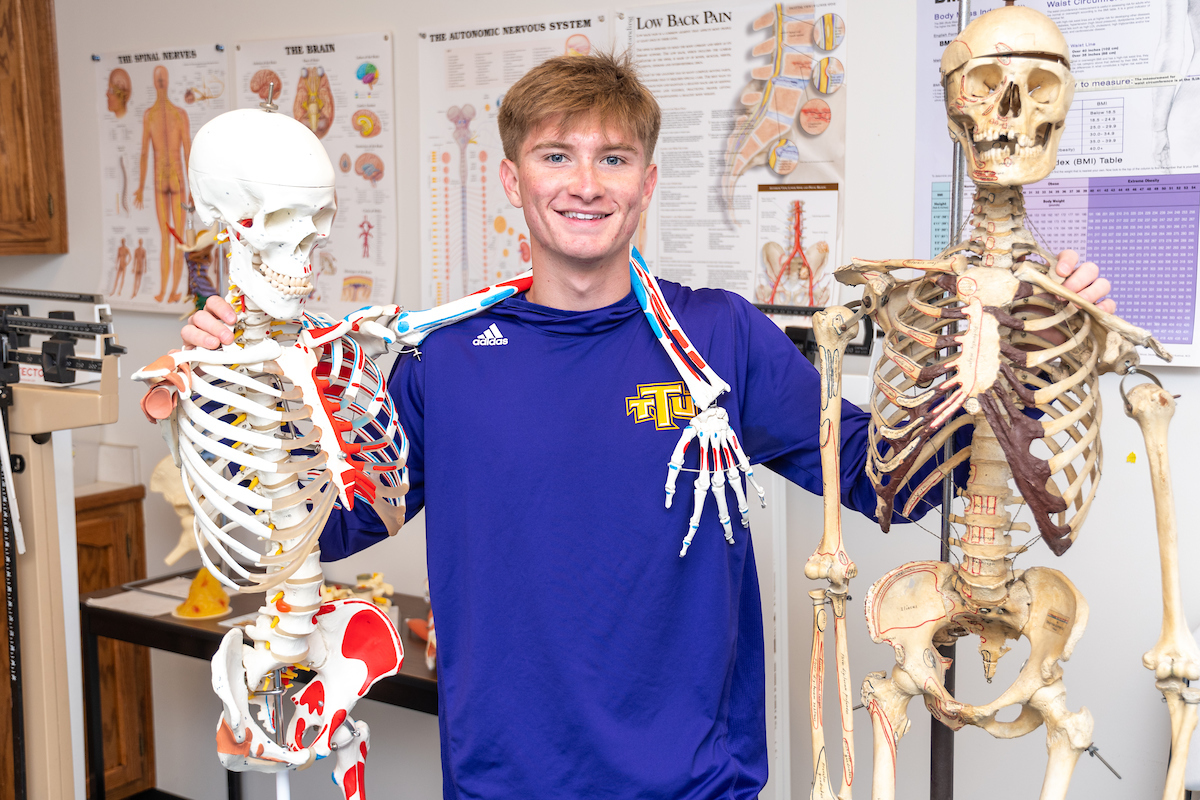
x,y
510,179
649,181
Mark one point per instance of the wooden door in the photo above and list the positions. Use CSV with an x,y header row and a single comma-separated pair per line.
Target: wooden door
x,y
111,547
33,215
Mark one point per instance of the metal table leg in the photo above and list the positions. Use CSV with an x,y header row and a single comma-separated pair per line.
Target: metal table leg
x,y
91,707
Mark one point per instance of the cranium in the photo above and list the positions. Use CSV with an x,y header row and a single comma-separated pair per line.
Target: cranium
x,y
268,179
1008,89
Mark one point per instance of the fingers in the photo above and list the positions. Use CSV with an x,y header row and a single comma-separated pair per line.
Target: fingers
x,y
211,327
1067,261
220,308
1084,279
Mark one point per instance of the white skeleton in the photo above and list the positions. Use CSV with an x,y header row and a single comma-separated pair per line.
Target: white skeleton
x,y
293,418
274,430
979,331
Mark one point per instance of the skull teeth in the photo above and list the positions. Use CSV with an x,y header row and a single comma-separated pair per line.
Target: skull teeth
x,y
285,284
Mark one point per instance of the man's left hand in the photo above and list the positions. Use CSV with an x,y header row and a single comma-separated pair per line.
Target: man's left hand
x,y
1084,279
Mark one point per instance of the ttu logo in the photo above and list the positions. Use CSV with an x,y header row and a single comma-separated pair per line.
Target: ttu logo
x,y
661,403
491,336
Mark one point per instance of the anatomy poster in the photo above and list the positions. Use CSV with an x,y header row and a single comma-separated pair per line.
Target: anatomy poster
x,y
797,224
151,103
1126,191
341,88
753,97
471,237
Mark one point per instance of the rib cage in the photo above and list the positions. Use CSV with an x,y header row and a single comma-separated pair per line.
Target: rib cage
x,y
1054,451
252,457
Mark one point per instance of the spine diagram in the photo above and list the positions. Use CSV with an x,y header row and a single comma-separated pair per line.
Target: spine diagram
x,y
795,275
774,97
783,102
461,117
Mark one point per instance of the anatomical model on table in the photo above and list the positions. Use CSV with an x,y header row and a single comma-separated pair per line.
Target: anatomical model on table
x,y
985,337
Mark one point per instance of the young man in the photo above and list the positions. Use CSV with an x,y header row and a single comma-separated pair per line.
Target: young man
x,y
579,656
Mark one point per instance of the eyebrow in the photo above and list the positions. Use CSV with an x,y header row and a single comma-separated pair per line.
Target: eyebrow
x,y
554,144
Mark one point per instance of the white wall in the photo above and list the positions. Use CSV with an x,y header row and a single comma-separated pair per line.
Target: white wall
x,y
1106,674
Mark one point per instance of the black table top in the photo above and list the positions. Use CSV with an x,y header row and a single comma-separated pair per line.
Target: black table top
x,y
415,687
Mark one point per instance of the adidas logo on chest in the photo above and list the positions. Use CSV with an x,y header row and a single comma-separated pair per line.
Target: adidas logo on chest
x,y
490,337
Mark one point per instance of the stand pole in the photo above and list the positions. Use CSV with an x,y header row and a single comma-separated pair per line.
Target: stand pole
x,y
12,618
941,738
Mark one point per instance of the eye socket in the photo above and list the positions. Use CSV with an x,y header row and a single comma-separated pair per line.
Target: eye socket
x,y
323,220
1044,86
277,216
982,80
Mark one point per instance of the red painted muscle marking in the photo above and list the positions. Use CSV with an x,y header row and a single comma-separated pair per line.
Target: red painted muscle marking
x,y
369,638
299,735
313,698
339,717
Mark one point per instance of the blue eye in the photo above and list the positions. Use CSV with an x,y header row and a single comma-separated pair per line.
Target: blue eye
x,y
556,158
612,161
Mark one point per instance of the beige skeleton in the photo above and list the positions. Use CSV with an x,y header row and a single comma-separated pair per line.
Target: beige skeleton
x,y
834,327
1175,658
981,335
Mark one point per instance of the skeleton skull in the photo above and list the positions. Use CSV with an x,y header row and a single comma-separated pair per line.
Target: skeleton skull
x,y
268,179
1008,89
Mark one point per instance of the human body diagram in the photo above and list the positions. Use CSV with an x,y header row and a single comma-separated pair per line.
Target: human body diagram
x,y
166,132
1176,107
122,262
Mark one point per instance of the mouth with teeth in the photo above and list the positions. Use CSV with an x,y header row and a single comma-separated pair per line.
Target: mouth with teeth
x,y
284,284
996,147
583,216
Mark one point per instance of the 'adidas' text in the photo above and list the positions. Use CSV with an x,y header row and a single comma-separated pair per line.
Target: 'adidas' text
x,y
491,336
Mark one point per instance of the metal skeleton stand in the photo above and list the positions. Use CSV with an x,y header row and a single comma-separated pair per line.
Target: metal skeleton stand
x,y
941,738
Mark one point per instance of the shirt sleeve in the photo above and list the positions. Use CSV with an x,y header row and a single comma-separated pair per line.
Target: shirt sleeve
x,y
348,532
780,402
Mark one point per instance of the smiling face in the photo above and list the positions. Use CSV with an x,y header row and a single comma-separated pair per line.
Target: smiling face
x,y
582,191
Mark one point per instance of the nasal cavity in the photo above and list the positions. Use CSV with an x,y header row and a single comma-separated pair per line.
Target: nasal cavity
x,y
1010,103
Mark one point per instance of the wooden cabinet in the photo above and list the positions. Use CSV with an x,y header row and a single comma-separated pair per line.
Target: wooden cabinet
x,y
33,213
111,547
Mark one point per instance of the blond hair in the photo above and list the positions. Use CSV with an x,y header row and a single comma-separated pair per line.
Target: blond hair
x,y
577,89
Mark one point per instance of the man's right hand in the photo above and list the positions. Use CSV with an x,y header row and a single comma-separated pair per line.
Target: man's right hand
x,y
212,327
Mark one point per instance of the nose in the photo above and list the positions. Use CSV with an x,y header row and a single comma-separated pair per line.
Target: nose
x,y
585,182
1010,103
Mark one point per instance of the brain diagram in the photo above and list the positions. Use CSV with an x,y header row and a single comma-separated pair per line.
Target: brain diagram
x,y
314,101
261,81
366,122
369,166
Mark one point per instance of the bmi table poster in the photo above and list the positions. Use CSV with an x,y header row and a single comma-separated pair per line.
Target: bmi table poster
x,y
471,237
341,87
751,155
1126,191
151,103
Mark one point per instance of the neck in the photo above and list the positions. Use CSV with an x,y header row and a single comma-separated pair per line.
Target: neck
x,y
578,288
1000,237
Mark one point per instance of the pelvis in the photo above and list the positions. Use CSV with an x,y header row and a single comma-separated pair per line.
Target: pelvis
x,y
916,607
361,646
